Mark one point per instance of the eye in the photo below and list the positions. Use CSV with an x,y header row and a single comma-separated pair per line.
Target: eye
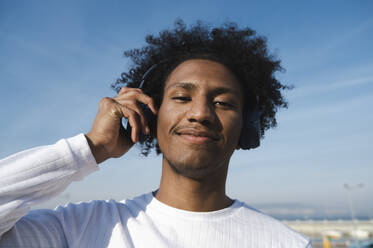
x,y
224,104
181,98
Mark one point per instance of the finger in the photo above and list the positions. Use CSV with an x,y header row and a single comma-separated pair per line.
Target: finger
x,y
126,90
134,105
133,120
147,100
138,94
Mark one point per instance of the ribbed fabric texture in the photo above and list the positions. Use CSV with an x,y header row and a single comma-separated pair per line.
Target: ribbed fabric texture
x,y
41,173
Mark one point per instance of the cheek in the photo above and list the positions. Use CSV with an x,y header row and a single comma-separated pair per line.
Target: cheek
x,y
232,129
160,126
167,118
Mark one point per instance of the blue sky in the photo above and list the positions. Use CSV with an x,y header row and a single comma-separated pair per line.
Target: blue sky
x,y
58,59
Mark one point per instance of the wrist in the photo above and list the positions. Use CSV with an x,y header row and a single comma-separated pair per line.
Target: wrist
x,y
99,152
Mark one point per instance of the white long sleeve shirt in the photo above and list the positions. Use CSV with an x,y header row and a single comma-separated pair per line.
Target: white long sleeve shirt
x,y
32,176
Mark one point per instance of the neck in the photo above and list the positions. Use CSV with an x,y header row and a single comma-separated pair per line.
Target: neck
x,y
199,195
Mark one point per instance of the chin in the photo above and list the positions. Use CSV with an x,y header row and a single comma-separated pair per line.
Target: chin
x,y
194,166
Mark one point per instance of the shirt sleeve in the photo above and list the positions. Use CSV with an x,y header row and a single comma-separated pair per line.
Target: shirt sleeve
x,y
35,175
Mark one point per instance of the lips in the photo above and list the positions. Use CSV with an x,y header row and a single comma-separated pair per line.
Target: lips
x,y
197,136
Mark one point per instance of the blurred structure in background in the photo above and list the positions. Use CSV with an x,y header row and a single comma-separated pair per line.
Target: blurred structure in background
x,y
340,233
352,233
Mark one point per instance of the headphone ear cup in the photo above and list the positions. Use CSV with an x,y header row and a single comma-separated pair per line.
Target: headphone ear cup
x,y
151,119
250,133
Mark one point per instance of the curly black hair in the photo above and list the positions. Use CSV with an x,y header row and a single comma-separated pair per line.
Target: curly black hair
x,y
241,50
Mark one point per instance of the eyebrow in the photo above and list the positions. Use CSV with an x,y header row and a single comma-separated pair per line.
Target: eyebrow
x,y
192,86
184,85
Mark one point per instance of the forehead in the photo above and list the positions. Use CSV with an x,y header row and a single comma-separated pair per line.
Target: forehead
x,y
205,74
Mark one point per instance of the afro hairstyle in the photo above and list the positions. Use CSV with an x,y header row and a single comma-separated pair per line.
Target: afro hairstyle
x,y
241,50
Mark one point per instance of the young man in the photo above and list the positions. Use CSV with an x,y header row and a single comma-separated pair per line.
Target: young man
x,y
202,93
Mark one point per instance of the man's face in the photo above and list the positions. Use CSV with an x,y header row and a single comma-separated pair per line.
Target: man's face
x,y
200,117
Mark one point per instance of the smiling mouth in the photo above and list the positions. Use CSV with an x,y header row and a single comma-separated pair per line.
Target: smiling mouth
x,y
197,137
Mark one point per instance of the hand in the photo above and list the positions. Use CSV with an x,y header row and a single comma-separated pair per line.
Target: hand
x,y
107,138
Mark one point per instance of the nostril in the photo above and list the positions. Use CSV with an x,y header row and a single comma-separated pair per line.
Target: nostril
x,y
206,122
192,120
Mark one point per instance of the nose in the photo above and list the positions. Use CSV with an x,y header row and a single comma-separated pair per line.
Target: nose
x,y
202,111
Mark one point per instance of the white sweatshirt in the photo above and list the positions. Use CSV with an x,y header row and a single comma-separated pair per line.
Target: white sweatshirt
x,y
32,176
